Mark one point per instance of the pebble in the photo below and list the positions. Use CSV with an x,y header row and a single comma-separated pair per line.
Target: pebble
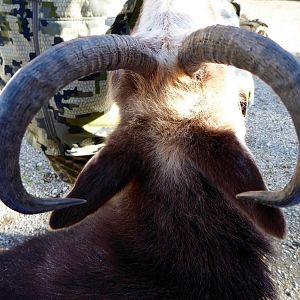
x,y
65,189
39,164
54,192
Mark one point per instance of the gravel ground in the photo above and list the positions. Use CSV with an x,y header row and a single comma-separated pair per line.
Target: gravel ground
x,y
272,139
40,180
270,136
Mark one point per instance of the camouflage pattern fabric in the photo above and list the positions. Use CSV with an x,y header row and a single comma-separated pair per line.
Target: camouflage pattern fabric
x,y
77,120
255,25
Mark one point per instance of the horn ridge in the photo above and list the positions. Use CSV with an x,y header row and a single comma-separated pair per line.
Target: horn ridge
x,y
37,82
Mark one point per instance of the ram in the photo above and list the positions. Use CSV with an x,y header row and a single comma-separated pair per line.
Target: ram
x,y
161,218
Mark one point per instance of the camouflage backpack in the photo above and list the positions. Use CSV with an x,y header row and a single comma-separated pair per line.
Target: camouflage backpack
x,y
75,123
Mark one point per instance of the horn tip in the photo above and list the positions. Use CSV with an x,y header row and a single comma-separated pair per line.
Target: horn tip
x,y
44,205
275,199
58,203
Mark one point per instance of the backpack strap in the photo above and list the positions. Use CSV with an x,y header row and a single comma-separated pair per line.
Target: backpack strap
x,y
46,114
127,18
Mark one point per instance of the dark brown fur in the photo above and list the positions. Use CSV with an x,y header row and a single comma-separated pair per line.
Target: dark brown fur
x,y
162,220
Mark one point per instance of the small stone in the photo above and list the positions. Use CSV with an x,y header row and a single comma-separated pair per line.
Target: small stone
x,y
296,244
54,192
288,293
65,189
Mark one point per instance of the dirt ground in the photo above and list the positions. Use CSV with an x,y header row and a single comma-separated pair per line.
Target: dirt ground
x,y
282,17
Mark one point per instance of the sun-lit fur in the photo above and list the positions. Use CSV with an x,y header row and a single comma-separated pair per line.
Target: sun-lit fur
x,y
162,220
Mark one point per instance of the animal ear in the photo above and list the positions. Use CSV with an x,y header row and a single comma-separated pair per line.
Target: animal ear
x,y
102,177
230,165
246,177
269,219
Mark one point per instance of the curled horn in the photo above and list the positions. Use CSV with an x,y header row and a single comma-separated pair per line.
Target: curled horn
x,y
263,58
37,82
